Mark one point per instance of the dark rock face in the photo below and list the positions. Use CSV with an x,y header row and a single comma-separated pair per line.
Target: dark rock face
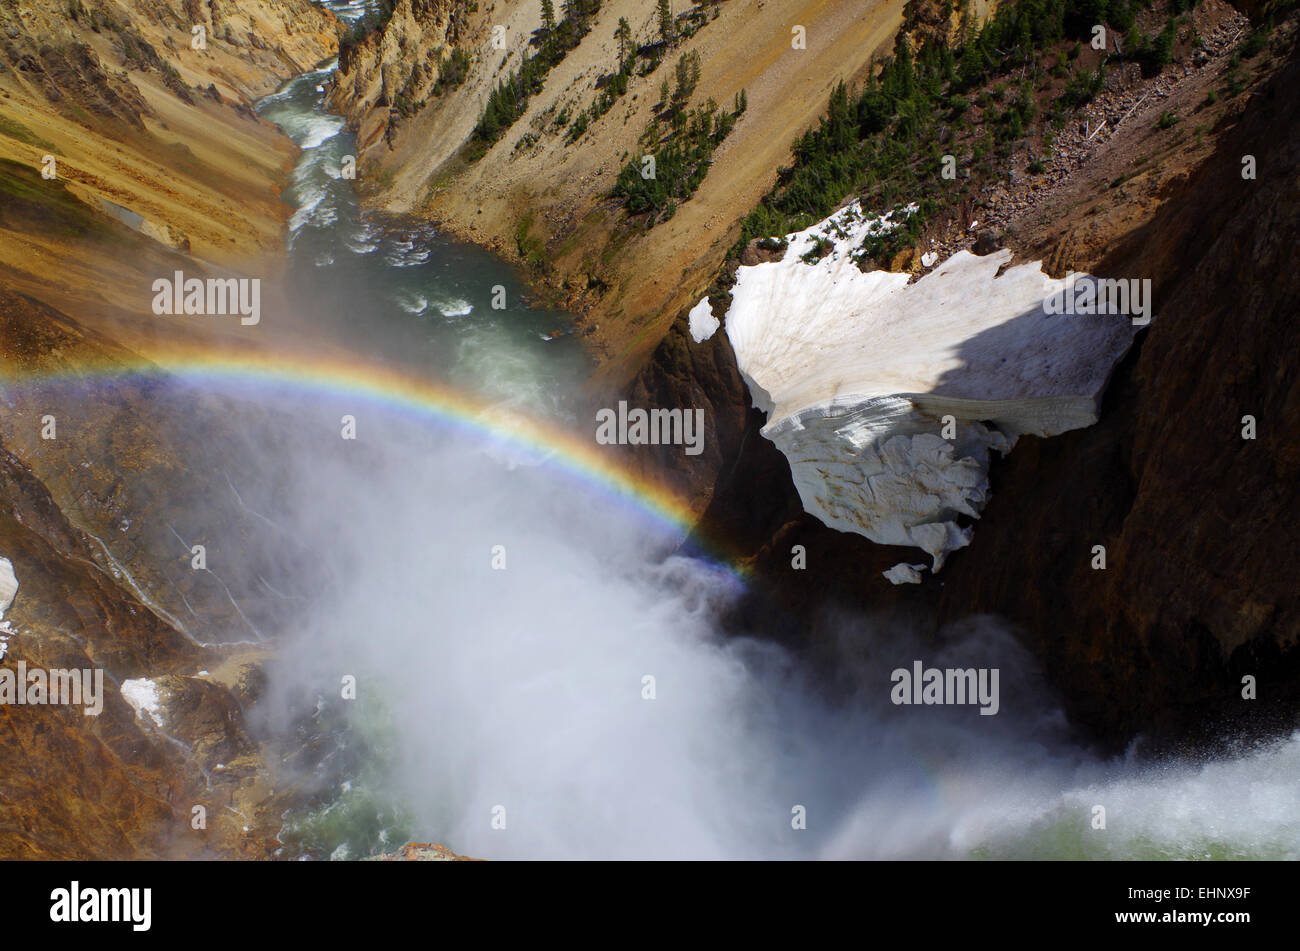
x,y
805,574
1197,521
69,615
1198,590
690,375
112,785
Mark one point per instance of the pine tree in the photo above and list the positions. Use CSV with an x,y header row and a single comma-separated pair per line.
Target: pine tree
x,y
906,74
624,36
667,27
683,89
548,16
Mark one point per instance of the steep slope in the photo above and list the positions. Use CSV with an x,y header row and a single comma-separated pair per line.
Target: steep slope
x,y
109,97
154,162
106,784
153,177
1197,592
87,522
536,197
1193,595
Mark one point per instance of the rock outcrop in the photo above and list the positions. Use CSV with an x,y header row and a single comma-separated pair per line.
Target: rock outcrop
x,y
398,68
1195,594
422,852
1193,511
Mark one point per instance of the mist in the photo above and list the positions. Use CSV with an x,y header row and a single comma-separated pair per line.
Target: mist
x,y
515,694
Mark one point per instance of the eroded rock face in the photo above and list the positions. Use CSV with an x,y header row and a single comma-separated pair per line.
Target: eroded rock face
x,y
1198,590
887,397
122,783
76,786
82,56
397,66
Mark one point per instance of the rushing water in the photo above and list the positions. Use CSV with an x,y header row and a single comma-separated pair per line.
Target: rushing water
x,y
505,713
397,289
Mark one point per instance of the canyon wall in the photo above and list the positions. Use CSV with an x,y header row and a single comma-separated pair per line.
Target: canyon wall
x,y
1197,591
126,155
1193,515
399,65
542,198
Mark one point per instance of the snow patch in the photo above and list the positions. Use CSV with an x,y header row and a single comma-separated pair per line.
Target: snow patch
x,y
903,573
858,374
703,323
142,695
8,591
8,586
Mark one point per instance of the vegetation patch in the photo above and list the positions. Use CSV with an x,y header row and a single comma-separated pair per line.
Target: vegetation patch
x,y
936,124
16,130
680,143
509,100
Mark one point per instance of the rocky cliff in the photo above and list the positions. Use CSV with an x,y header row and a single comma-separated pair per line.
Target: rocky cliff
x,y
1185,481
127,153
110,98
1189,481
397,69
119,784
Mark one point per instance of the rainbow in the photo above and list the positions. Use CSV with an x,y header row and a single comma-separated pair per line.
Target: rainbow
x,y
398,391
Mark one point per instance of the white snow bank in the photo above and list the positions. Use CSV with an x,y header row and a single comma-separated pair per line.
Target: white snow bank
x,y
142,695
857,372
903,573
703,323
8,590
8,586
